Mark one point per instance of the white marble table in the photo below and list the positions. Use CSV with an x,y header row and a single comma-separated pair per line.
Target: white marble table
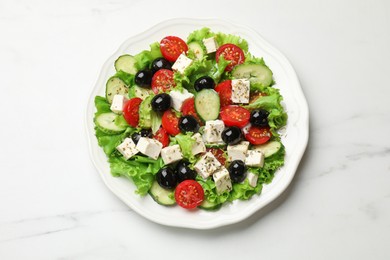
x,y
53,204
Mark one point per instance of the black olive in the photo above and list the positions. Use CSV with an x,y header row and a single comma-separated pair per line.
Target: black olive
x,y
166,178
184,172
161,102
135,137
232,135
143,133
188,124
259,117
204,82
143,78
237,171
161,63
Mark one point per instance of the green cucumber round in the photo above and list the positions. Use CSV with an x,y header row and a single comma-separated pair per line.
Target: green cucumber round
x,y
106,123
115,86
208,205
162,196
207,104
269,148
197,49
256,73
126,63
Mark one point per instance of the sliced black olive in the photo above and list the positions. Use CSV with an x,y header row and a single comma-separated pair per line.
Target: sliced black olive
x,y
204,82
237,171
188,124
143,78
232,135
161,102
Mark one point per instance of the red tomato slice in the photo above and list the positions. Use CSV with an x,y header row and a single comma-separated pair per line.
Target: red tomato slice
x,y
189,194
232,53
162,136
170,122
224,89
163,81
258,135
233,115
188,108
130,111
171,47
218,153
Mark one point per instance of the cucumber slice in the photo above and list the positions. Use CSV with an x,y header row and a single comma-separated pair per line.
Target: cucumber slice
x,y
256,73
162,196
207,104
269,148
197,49
115,86
106,123
142,93
208,205
215,145
126,63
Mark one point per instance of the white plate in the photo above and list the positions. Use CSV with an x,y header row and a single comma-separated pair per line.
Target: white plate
x,y
295,139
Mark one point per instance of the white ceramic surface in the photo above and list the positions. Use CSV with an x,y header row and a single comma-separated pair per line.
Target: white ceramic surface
x,y
295,137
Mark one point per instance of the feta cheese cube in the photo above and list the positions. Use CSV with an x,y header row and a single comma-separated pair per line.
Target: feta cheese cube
x,y
149,147
127,148
179,97
117,104
213,130
222,180
207,165
240,91
210,44
198,146
238,151
171,154
254,158
182,63
252,179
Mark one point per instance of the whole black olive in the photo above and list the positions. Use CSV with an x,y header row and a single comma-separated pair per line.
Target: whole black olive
x,y
204,82
143,133
259,117
161,63
184,172
143,78
237,171
166,178
232,135
188,124
161,102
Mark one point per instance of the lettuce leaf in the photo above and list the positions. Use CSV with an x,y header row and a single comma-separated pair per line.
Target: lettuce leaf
x,y
200,34
223,38
186,143
145,112
141,170
145,58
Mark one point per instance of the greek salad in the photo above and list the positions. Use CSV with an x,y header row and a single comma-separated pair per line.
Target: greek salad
x,y
193,122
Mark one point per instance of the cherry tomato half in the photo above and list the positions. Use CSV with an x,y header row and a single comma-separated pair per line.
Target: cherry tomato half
x,y
258,135
170,122
218,153
162,136
189,194
224,89
233,115
171,47
130,111
188,108
163,81
232,53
